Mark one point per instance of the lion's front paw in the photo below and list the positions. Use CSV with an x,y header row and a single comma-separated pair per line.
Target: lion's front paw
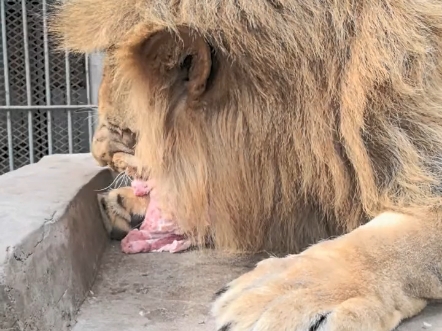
x,y
314,292
110,140
124,162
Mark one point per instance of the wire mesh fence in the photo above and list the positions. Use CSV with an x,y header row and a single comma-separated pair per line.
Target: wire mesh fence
x,y
46,98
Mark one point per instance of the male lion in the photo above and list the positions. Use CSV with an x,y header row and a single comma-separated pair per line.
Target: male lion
x,y
273,124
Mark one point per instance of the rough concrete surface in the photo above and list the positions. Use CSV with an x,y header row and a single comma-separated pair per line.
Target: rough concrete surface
x,y
171,292
51,241
157,291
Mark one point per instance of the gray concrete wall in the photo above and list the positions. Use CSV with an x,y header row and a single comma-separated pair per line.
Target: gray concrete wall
x,y
51,241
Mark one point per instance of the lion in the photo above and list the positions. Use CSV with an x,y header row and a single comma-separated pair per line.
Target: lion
x,y
311,129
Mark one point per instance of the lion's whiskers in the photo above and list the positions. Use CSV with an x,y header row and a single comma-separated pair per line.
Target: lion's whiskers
x,y
117,178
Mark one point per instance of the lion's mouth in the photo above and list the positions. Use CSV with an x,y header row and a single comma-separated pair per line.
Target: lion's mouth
x,y
157,233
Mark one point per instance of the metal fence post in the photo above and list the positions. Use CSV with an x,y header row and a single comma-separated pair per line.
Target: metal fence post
x,y
96,72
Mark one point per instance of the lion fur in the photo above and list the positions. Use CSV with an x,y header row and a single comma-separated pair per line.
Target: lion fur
x,y
321,114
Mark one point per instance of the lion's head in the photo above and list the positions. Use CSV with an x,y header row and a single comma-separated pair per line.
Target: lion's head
x,y
274,122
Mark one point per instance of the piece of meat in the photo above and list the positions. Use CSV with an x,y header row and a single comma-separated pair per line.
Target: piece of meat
x,y
140,187
157,233
139,241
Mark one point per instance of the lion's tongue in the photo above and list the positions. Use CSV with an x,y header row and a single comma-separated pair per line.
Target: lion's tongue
x,y
156,234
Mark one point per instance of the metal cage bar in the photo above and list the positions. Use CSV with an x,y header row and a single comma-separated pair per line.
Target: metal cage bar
x,y
88,97
28,79
6,82
68,99
47,74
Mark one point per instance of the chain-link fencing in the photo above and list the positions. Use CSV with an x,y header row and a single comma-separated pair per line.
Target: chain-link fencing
x,y
47,102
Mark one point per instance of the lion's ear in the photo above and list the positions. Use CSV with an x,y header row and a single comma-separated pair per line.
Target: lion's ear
x,y
196,63
187,54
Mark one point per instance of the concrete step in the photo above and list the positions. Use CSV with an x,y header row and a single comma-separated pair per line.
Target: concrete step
x,y
51,241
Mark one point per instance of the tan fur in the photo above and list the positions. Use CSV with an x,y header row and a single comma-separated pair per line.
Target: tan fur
x,y
293,121
368,280
122,211
113,133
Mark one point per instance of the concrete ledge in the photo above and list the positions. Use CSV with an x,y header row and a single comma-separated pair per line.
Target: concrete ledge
x,y
51,241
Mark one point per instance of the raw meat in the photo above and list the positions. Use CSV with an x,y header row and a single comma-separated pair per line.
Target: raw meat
x,y
156,234
140,187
